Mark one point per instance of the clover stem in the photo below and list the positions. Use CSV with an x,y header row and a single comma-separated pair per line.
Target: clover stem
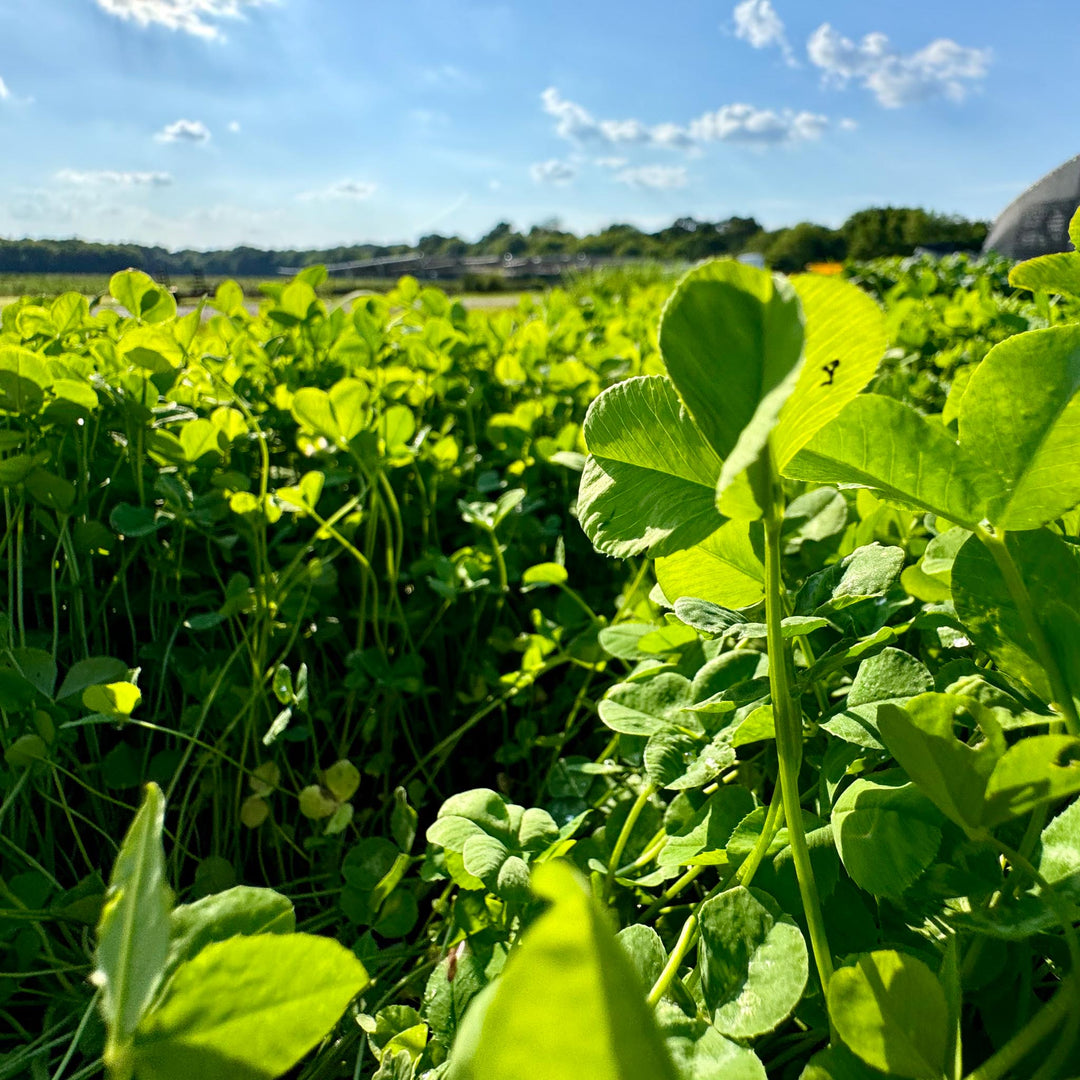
x,y
687,940
995,544
788,723
624,835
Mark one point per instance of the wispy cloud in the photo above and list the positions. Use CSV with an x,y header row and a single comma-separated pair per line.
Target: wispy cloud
x,y
234,127
449,77
357,190
941,69
112,178
763,127
199,18
184,131
730,123
5,93
757,23
553,172
658,177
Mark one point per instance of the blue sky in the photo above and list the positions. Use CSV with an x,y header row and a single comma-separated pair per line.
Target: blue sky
x,y
209,123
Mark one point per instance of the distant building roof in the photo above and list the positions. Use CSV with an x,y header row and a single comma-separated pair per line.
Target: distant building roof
x,y
1037,223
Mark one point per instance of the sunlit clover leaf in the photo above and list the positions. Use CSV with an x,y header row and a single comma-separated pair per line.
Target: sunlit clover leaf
x,y
732,339
117,700
143,298
712,1057
730,334
881,443
228,1014
151,348
23,380
887,833
753,963
723,569
1050,571
649,481
569,1003
892,677
952,773
1020,418
1056,273
133,932
338,415
704,837
239,910
1037,770
649,706
890,1009
845,341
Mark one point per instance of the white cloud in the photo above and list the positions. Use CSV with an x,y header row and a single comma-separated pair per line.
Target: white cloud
x,y
847,124
553,172
612,162
343,189
234,126
757,23
659,177
188,131
941,69
113,178
5,93
197,17
450,77
763,127
735,123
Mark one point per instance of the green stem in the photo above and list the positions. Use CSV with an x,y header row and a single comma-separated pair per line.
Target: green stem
x,y
995,543
788,722
774,820
624,836
687,940
1043,1024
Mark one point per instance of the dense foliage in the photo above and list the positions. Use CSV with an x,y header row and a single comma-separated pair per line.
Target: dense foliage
x,y
865,235
325,581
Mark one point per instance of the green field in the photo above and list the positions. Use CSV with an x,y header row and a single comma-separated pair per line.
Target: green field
x,y
636,681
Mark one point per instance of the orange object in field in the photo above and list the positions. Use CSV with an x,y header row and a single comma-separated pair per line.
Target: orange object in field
x,y
828,269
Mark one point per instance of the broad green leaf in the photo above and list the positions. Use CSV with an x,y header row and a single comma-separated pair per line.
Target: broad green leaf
x,y
1037,770
845,341
199,437
133,933
1059,858
143,298
568,1005
752,961
892,676
880,443
890,1009
712,1057
710,828
1020,418
647,707
484,807
51,490
645,951
151,348
723,569
117,700
1050,571
239,910
867,572
649,482
1055,273
232,1014
680,762
338,415
887,834
951,773
731,335
23,379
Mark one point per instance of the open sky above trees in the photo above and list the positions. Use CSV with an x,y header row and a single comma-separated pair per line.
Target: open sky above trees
x,y
308,123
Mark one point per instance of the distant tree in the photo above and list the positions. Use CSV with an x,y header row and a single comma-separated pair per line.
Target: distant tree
x,y
792,249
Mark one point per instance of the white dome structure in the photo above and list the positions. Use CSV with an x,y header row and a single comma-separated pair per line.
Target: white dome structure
x,y
1037,223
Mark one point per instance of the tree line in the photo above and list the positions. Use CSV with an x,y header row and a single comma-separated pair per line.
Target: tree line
x,y
865,235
